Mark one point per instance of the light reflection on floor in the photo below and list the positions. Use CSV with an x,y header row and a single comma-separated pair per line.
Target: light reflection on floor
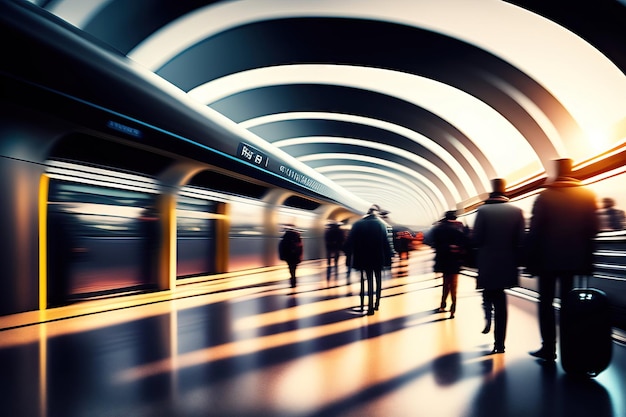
x,y
249,346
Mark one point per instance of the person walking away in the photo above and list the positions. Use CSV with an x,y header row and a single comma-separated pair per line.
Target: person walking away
x,y
560,244
290,250
498,236
450,244
371,251
333,237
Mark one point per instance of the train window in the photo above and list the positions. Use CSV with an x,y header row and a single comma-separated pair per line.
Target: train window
x,y
194,216
246,218
302,203
100,211
228,184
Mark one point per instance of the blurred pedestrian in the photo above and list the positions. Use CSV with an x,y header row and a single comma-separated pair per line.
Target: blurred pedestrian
x,y
498,236
333,238
611,218
290,250
371,250
450,244
560,244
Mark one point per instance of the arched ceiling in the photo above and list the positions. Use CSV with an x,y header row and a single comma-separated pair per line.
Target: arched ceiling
x,y
411,104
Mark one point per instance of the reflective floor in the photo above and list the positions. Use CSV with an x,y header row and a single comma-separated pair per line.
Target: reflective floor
x,y
246,345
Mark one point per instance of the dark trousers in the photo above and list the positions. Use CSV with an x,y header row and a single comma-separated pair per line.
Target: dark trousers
x,y
547,293
372,293
497,299
292,274
332,255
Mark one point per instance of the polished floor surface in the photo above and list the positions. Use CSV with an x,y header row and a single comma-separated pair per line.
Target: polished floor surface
x,y
247,345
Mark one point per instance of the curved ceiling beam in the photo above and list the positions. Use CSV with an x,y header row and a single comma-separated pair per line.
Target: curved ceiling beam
x,y
417,143
499,28
430,201
412,102
327,162
325,98
361,184
363,43
488,54
153,33
314,148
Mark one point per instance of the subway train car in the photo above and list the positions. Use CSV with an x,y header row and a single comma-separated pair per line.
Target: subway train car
x,y
114,182
104,234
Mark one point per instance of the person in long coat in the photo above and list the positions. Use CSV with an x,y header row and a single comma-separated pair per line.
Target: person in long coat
x,y
560,244
498,236
371,249
450,243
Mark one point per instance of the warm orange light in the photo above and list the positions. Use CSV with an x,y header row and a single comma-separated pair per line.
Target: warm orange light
x,y
43,236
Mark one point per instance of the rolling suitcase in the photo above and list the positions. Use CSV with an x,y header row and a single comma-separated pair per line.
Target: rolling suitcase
x,y
585,331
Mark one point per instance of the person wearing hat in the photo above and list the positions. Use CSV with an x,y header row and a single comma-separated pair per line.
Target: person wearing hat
x,y
498,236
450,243
560,244
371,249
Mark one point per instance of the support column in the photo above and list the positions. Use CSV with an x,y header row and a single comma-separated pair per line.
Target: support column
x,y
166,206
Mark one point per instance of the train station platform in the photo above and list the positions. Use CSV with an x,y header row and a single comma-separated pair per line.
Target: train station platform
x,y
246,344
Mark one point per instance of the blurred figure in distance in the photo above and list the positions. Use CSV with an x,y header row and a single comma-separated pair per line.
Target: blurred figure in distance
x,y
450,243
611,218
290,250
333,238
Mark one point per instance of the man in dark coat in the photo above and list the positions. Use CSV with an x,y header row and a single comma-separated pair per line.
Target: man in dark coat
x,y
450,244
560,244
498,235
371,250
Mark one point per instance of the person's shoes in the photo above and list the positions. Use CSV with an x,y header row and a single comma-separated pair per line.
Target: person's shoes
x,y
451,315
441,310
370,312
496,350
487,328
544,354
